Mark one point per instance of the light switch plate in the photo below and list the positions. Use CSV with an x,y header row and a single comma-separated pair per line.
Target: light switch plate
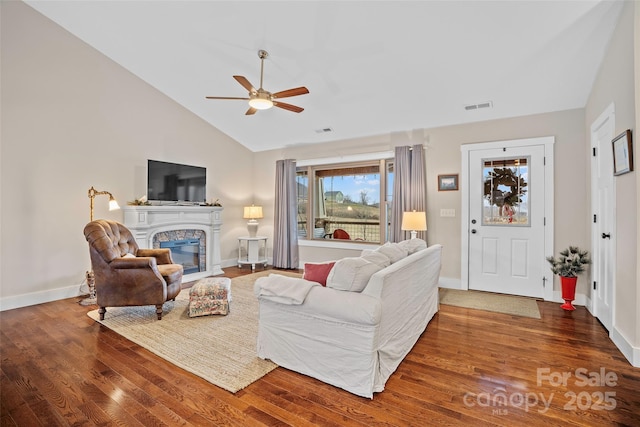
x,y
447,212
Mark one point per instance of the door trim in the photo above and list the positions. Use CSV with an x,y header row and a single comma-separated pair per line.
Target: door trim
x,y
547,142
609,114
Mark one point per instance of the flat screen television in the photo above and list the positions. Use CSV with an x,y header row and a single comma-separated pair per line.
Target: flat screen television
x,y
174,182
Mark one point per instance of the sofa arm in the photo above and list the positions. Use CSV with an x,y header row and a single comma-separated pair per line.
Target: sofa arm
x,y
343,306
332,305
162,255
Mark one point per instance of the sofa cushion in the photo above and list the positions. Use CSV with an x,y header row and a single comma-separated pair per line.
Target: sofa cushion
x,y
317,272
351,274
376,257
413,245
394,251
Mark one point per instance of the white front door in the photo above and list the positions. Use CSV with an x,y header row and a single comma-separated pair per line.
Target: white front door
x,y
506,203
603,202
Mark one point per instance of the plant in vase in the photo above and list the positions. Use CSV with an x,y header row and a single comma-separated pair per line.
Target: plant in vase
x,y
568,265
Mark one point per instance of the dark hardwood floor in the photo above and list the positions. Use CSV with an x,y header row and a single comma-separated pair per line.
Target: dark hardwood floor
x,y
469,368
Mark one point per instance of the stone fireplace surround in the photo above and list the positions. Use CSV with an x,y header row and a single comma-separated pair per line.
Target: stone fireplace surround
x,y
145,222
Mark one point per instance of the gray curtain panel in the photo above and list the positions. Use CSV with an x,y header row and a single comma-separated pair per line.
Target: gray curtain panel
x,y
418,197
285,231
409,188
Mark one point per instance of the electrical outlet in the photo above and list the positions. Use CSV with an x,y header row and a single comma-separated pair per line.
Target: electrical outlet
x,y
447,212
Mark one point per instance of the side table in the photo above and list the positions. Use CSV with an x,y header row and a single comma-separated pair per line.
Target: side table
x,y
255,251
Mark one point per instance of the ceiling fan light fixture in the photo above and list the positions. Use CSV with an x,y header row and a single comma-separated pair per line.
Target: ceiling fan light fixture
x,y
261,103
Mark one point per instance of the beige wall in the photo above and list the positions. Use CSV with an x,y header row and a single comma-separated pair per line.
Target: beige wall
x,y
444,157
615,84
72,118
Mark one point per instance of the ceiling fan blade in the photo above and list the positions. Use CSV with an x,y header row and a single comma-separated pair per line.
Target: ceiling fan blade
x,y
291,92
289,107
245,83
225,97
250,111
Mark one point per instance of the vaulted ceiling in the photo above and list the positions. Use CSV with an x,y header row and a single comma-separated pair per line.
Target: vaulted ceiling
x,y
372,67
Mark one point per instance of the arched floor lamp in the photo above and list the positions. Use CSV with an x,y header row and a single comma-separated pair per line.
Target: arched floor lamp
x,y
90,277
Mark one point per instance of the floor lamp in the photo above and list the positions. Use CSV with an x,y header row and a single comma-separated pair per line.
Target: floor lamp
x,y
90,278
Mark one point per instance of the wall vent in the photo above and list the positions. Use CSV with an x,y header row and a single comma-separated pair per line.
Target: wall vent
x,y
488,104
324,130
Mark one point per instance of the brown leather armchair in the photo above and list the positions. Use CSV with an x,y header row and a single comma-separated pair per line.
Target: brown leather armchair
x,y
149,278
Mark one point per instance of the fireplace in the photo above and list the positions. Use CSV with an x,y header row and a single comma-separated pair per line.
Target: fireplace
x,y
185,252
188,248
191,232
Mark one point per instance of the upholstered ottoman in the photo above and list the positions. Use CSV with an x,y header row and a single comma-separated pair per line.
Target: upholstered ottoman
x,y
210,296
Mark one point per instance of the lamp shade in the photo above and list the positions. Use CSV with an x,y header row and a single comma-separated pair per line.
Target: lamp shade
x,y
252,212
261,103
414,221
113,205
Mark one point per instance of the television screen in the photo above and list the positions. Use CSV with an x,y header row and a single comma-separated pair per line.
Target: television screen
x,y
173,182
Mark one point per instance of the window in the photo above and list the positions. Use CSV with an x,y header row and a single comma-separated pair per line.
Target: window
x,y
352,197
506,199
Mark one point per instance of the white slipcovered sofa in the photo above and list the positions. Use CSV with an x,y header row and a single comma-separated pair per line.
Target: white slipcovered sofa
x,y
353,339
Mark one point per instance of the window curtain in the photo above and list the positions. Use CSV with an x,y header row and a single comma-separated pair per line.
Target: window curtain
x,y
409,189
285,230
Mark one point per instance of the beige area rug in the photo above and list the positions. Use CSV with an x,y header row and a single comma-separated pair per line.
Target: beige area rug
x,y
220,349
508,304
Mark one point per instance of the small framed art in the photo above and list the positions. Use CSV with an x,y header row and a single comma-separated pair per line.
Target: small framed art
x,y
448,182
622,153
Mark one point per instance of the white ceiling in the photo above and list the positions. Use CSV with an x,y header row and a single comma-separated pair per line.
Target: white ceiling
x,y
372,67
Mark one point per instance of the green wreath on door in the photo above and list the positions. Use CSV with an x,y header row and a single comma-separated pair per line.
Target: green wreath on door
x,y
505,200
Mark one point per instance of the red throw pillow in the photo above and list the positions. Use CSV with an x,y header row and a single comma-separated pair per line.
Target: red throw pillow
x,y
317,272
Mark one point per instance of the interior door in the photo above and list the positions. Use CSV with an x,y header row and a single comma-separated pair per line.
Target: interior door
x,y
506,241
603,202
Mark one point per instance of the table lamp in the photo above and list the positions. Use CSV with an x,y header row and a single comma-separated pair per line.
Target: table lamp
x,y
252,213
414,221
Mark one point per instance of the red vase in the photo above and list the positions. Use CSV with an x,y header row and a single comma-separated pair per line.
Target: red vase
x,y
568,291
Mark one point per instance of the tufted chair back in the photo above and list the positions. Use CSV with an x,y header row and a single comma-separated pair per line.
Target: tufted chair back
x,y
148,277
110,239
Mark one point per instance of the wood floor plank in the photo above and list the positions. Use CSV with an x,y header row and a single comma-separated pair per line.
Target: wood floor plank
x,y
59,367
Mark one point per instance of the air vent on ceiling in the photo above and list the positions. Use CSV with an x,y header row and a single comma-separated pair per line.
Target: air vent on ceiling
x,y
324,130
470,107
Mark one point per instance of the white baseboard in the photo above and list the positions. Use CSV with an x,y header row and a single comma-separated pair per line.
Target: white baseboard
x,y
450,283
581,299
40,297
626,348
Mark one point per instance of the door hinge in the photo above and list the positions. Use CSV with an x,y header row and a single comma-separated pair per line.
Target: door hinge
x,y
595,218
594,285
594,151
544,221
544,282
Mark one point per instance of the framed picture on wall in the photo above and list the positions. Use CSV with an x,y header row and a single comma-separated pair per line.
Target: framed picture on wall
x,y
448,182
622,153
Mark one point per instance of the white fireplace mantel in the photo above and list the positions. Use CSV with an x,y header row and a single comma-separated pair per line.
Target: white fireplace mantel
x,y
146,221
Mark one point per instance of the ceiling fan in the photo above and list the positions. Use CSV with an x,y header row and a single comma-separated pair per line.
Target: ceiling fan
x,y
260,99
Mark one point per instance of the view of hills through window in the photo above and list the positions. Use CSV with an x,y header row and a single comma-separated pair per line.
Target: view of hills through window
x,y
344,198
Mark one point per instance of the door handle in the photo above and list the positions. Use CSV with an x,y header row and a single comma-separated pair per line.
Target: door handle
x,y
606,235
473,231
